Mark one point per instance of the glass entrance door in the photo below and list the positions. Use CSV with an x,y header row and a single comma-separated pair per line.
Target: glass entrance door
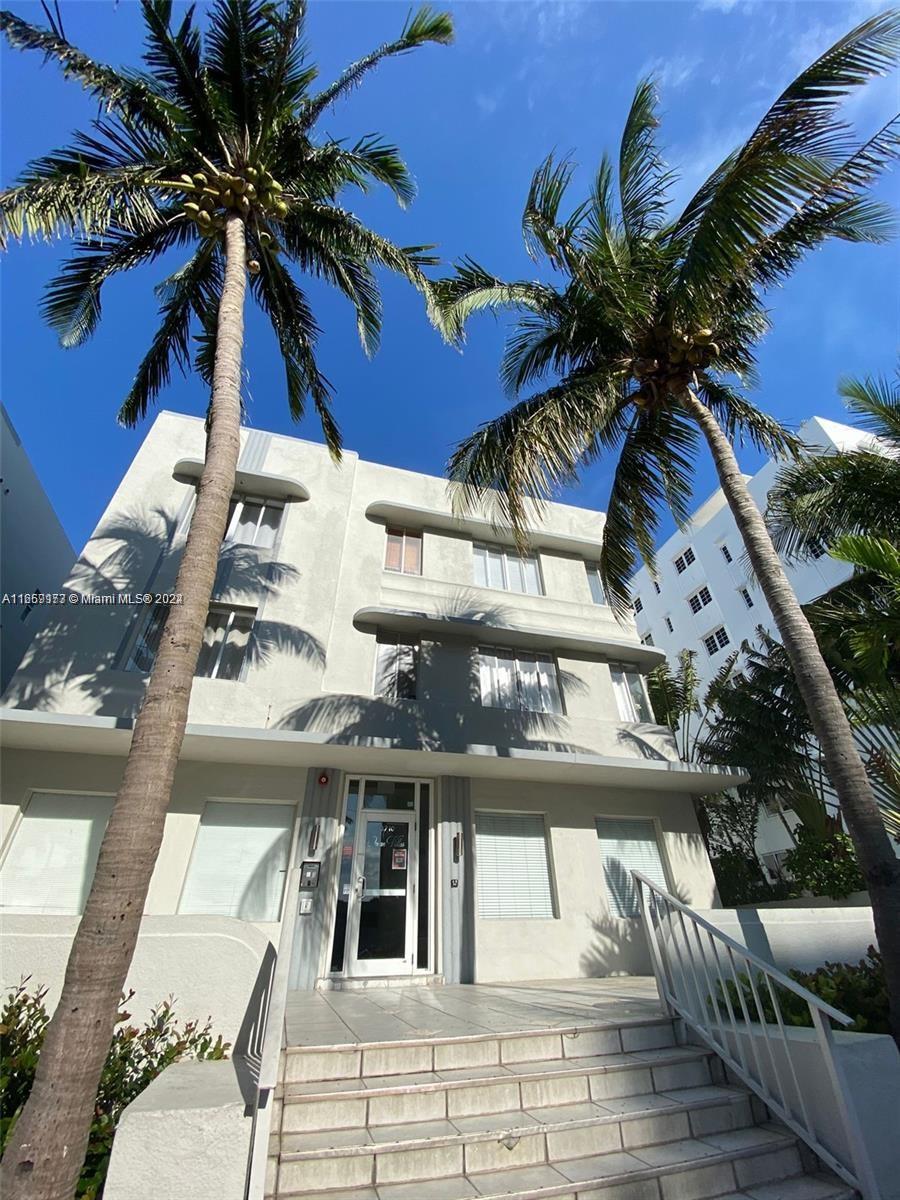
x,y
382,919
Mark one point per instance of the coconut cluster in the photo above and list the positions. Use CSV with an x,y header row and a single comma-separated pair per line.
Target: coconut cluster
x,y
670,355
212,195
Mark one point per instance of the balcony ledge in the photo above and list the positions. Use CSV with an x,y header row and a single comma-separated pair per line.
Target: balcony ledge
x,y
252,483
398,620
477,527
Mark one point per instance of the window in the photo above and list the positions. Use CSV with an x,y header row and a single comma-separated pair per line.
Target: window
x,y
669,625
403,552
699,599
817,548
253,522
716,641
656,587
512,867
496,567
396,667
638,604
593,574
225,641
631,695
746,597
239,863
53,855
647,639
628,844
726,553
684,560
514,679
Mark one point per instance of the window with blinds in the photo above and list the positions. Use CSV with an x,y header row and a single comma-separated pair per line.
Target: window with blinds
x,y
497,567
54,852
253,522
512,867
239,863
628,844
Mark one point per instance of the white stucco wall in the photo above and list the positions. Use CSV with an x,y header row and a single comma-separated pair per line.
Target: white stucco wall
x,y
209,964
585,939
800,938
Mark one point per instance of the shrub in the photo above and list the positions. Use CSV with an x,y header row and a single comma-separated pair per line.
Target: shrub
x,y
860,991
740,880
824,865
136,1057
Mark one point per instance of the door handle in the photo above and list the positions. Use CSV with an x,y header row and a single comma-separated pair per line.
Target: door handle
x,y
360,885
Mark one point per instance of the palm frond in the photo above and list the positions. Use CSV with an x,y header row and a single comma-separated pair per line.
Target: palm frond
x,y
175,59
877,402
740,419
542,229
424,26
643,178
240,46
172,342
472,289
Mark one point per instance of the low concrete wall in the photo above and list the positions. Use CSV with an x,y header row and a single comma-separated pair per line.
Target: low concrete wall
x,y
871,1069
184,1138
798,938
854,900
209,964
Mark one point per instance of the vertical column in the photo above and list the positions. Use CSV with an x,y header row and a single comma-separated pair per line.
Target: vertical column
x,y
318,841
456,907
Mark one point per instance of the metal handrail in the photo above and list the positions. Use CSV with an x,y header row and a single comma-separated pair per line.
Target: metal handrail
x,y
687,976
273,1044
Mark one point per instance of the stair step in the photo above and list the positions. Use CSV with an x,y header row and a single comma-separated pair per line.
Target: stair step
x,y
757,1163
306,1064
392,1100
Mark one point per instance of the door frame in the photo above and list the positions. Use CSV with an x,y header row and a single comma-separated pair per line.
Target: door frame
x,y
351,967
360,967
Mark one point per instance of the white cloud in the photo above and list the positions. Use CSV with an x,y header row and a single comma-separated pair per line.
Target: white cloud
x,y
673,72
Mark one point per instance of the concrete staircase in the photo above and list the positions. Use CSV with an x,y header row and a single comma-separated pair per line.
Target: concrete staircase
x,y
610,1112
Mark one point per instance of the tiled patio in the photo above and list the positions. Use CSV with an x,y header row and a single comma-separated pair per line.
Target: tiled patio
x,y
399,1014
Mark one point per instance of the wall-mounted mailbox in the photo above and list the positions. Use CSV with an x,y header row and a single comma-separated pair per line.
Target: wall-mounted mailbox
x,y
309,875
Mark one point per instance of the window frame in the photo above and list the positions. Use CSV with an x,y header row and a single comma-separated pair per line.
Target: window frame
x,y
403,533
622,691
698,595
595,585
669,625
516,654
548,849
232,610
238,503
726,553
396,640
505,553
661,848
744,593
684,560
714,635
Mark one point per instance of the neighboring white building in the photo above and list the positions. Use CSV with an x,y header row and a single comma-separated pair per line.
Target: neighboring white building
x,y
35,554
455,740
703,598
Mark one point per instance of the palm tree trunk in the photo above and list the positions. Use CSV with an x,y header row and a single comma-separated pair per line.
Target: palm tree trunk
x,y
876,857
47,1149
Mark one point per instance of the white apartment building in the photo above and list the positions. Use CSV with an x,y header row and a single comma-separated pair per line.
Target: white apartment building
x,y
453,739
35,553
703,598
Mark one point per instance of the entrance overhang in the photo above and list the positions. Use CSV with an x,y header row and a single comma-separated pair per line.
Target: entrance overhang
x,y
60,732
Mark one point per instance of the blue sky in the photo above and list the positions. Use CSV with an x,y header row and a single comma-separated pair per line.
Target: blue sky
x,y
473,121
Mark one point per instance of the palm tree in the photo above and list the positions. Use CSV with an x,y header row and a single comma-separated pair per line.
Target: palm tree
x,y
649,337
210,149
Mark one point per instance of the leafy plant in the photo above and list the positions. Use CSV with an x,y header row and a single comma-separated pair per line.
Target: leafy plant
x,y
137,1055
824,865
740,879
858,990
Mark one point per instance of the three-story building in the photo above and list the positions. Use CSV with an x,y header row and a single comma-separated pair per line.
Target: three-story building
x,y
451,736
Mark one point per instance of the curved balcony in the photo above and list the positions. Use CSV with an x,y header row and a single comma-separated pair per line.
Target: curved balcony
x,y
411,516
249,483
438,625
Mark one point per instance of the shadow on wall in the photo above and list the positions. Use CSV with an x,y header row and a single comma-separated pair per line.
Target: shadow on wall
x,y
82,648
447,714
619,944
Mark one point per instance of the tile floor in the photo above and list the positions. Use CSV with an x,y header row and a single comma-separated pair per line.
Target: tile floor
x,y
400,1014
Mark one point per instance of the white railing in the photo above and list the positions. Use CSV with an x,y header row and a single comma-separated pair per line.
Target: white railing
x,y
733,1001
272,1045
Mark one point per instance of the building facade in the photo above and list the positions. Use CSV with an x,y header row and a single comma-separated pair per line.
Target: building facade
x,y
453,739
704,599
35,553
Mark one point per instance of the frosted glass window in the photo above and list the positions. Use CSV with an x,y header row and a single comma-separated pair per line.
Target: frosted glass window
x,y
51,862
628,844
239,863
512,867
497,567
